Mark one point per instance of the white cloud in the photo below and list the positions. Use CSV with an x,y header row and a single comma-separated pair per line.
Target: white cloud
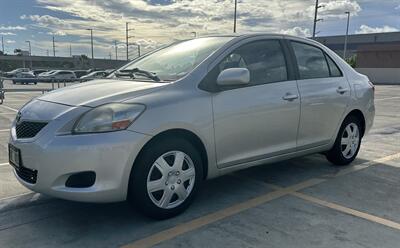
x,y
57,33
158,22
12,28
7,33
10,41
365,29
336,9
297,31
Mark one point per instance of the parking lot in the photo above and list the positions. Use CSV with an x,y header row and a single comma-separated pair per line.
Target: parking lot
x,y
303,202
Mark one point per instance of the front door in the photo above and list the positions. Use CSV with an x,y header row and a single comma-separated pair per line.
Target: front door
x,y
261,119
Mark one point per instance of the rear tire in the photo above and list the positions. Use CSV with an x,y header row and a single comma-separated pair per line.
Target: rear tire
x,y
165,178
347,143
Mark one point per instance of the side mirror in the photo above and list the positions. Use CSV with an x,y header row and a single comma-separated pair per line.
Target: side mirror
x,y
234,77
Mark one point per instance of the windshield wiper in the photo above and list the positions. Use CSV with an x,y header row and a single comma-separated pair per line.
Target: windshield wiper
x,y
131,73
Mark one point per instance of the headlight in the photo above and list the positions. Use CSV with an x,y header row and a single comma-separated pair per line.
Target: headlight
x,y
108,117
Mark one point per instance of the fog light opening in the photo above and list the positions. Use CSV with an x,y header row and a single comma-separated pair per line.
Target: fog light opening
x,y
81,180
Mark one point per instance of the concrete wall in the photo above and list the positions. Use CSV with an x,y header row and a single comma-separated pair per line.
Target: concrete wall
x,y
11,62
381,75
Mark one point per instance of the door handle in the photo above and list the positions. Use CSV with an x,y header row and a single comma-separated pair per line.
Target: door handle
x,y
290,97
341,90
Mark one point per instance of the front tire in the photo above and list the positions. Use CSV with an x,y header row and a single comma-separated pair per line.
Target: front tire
x,y
347,143
165,178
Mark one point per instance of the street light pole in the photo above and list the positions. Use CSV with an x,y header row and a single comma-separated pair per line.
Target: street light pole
x,y
234,17
347,34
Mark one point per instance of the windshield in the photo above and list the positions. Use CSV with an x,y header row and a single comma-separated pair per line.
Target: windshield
x,y
175,61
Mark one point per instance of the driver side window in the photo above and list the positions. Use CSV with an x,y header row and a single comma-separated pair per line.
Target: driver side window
x,y
264,59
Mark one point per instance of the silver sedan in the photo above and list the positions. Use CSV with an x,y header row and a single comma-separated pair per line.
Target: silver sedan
x,y
197,109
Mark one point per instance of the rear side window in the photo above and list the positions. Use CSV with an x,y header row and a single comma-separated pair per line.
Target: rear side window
x,y
334,69
264,59
311,61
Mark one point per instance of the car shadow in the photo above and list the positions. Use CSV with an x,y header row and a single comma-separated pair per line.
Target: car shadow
x,y
40,220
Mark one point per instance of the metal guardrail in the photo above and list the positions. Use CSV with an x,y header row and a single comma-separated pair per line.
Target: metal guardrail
x,y
55,84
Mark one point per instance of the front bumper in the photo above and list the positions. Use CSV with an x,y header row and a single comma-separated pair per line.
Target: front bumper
x,y
109,155
56,156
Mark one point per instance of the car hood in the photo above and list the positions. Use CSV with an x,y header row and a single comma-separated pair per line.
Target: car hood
x,y
98,92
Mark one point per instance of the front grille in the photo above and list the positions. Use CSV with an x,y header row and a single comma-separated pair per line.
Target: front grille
x,y
28,129
28,175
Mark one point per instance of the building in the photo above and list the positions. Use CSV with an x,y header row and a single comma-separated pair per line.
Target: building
x,y
377,55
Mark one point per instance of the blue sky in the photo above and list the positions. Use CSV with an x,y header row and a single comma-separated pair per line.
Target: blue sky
x,y
157,22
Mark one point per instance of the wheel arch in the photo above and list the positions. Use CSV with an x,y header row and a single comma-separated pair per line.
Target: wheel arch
x,y
181,133
360,116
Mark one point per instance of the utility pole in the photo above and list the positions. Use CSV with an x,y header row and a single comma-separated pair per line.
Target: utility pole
x,y
116,50
54,47
47,52
138,49
30,52
317,6
91,41
70,50
234,17
127,41
2,44
347,34
29,45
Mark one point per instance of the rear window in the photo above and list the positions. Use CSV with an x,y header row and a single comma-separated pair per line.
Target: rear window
x,y
334,69
311,61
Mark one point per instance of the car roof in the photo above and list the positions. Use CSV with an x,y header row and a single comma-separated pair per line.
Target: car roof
x,y
250,35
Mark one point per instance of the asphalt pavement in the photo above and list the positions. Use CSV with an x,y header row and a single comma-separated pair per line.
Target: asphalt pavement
x,y
303,202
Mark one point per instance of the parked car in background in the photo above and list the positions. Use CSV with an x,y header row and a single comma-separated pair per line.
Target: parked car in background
x,y
94,75
25,78
46,73
59,75
194,110
38,71
16,73
80,73
109,71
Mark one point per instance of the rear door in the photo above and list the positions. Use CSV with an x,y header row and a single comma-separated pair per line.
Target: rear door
x,y
324,95
260,119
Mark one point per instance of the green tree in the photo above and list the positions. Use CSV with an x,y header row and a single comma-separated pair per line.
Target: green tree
x,y
352,61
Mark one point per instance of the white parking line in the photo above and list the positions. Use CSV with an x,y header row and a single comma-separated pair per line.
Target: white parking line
x,y
9,108
4,130
2,164
388,98
15,196
202,221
